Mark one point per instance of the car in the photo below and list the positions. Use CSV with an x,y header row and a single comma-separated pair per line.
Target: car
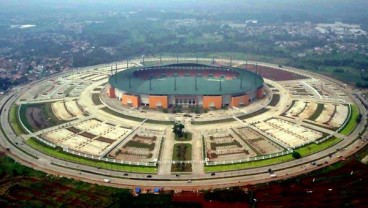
x,y
177,175
273,175
149,176
213,174
126,174
189,181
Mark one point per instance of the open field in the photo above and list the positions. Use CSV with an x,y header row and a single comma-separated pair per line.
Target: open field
x,y
14,122
38,116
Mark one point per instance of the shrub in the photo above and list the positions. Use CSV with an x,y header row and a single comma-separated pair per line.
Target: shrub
x,y
296,155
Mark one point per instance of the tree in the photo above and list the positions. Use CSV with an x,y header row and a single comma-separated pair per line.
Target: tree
x,y
359,118
178,129
296,155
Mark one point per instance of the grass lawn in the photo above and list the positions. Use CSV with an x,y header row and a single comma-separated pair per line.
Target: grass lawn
x,y
47,112
275,100
112,112
185,157
182,152
352,123
314,148
250,115
71,158
160,122
252,164
68,91
319,110
213,122
140,145
187,137
304,151
7,138
47,117
14,121
96,99
23,117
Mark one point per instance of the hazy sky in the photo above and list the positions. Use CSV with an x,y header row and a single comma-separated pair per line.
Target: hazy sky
x,y
174,3
346,9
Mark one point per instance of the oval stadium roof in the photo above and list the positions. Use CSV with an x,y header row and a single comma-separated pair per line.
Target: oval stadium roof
x,y
186,79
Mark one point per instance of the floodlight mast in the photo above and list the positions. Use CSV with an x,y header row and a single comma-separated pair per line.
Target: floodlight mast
x,y
241,81
175,82
130,85
116,72
220,83
195,82
150,82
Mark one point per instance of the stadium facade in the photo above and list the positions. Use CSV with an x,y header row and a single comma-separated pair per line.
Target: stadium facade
x,y
186,85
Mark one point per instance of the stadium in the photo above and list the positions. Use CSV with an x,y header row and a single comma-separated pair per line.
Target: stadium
x,y
186,85
70,123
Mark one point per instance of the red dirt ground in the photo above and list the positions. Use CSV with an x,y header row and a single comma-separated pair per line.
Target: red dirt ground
x,y
346,186
198,199
273,73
